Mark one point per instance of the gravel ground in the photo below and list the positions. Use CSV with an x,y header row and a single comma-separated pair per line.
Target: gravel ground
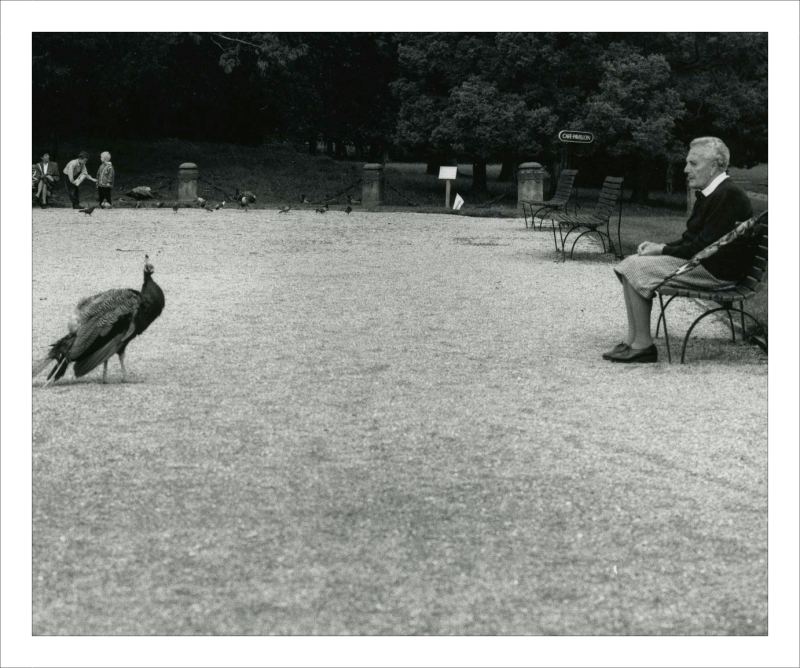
x,y
385,424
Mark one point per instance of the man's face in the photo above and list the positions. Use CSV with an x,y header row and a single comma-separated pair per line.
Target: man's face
x,y
701,169
45,158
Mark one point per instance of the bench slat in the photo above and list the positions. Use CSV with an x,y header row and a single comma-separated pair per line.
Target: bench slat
x,y
751,283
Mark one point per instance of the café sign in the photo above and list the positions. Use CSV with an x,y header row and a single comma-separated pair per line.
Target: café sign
x,y
575,137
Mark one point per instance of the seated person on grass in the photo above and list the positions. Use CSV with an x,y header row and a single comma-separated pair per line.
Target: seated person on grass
x,y
720,204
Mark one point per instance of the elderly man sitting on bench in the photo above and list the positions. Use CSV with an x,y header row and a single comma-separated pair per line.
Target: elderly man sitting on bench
x,y
719,206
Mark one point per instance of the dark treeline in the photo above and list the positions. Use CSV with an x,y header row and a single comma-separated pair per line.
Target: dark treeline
x,y
437,97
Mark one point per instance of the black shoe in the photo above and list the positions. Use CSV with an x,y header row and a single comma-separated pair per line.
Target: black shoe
x,y
619,348
641,355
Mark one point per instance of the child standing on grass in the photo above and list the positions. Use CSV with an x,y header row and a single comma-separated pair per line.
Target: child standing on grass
x,y
105,179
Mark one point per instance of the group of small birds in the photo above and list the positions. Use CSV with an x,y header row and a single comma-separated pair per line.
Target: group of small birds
x,y
243,198
325,207
320,209
143,193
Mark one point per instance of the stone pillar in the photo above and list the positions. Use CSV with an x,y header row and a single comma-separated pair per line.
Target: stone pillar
x,y
372,185
530,182
187,182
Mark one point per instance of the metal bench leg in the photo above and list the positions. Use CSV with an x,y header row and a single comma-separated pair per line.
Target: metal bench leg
x,y
599,234
663,316
730,320
540,212
756,321
694,324
560,236
564,242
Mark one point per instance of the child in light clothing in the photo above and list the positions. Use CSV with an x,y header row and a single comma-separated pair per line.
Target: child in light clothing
x,y
105,179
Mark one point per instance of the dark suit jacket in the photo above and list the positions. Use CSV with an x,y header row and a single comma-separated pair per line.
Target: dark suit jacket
x,y
52,170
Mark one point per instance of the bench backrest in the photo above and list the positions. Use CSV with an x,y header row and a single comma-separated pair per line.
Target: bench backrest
x,y
608,204
566,180
752,282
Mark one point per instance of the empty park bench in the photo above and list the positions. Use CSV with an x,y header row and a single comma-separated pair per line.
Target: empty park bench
x,y
558,202
729,299
598,221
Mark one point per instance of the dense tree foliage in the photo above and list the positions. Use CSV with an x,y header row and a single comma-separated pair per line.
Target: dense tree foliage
x,y
439,97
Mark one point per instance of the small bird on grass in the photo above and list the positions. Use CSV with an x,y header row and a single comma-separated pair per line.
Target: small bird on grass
x,y
175,208
348,210
88,210
321,209
285,209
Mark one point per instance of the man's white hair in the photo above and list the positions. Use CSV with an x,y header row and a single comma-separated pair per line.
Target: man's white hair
x,y
714,148
105,154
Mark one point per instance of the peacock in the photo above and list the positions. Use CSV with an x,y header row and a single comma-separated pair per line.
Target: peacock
x,y
245,198
102,326
141,193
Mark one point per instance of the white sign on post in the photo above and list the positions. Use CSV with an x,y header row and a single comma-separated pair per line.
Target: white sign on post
x,y
447,174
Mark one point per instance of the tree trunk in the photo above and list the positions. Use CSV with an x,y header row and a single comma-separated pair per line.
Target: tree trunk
x,y
312,145
340,150
640,191
329,147
479,176
508,171
669,177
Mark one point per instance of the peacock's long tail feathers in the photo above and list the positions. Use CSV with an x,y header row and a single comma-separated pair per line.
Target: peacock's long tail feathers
x,y
59,352
39,366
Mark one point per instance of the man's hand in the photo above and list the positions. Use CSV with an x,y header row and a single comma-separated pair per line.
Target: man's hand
x,y
649,248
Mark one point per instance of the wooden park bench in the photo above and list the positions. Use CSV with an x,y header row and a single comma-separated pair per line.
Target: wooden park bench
x,y
730,299
558,202
598,221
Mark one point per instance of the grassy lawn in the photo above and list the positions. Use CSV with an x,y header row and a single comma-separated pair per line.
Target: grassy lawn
x,y
385,423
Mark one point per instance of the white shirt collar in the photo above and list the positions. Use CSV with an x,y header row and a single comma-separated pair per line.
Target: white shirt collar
x,y
711,187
